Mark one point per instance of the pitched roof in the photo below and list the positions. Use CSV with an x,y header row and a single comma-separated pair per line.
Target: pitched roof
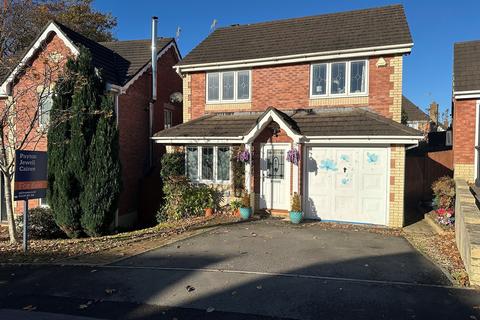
x,y
466,66
413,112
118,60
339,122
367,28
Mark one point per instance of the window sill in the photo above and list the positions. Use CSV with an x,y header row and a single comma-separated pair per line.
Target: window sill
x,y
228,102
359,95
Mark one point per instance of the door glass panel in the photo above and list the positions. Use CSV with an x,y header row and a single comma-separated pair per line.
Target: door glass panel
x,y
275,164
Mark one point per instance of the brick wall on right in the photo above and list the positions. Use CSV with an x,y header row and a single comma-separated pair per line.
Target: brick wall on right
x,y
464,118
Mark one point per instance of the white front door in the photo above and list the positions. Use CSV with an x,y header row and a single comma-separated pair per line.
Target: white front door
x,y
347,184
274,177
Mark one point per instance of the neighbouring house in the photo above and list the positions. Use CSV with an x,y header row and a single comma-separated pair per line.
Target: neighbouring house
x,y
414,117
465,110
325,88
127,69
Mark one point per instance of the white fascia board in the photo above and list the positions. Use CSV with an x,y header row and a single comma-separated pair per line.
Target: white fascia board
x,y
148,65
52,27
198,140
317,56
364,140
266,119
459,95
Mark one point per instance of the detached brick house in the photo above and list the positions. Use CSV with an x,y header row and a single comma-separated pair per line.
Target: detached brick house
x,y
466,110
328,87
126,68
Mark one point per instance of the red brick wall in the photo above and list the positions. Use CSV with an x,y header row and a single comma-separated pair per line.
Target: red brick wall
x,y
287,87
282,87
380,86
133,126
464,115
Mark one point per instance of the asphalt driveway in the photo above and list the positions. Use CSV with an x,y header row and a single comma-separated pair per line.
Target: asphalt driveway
x,y
273,247
255,270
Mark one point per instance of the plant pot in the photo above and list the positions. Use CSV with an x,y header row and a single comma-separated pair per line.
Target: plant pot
x,y
245,213
296,216
236,212
208,212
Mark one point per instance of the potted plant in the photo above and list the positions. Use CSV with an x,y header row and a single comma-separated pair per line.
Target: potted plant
x,y
209,202
296,213
235,207
245,209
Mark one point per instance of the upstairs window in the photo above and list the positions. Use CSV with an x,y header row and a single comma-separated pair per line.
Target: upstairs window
x,y
228,86
45,106
339,79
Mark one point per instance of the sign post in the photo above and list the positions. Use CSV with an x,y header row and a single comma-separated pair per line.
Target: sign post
x,y
30,182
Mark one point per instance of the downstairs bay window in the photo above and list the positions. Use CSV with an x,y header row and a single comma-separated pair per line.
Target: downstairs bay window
x,y
208,163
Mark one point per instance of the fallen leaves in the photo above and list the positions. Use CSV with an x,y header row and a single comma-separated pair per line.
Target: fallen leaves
x,y
54,250
442,249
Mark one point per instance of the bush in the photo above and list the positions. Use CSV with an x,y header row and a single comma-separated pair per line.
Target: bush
x,y
41,224
444,191
183,199
173,165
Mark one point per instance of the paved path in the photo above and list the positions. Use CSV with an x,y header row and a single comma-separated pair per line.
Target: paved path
x,y
259,270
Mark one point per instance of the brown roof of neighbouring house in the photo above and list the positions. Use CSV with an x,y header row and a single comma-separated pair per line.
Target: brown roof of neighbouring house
x,y
118,60
366,28
343,121
412,111
466,66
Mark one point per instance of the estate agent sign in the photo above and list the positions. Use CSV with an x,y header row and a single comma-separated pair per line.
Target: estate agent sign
x,y
30,175
30,182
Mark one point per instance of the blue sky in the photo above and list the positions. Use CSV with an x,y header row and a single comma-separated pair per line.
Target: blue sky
x,y
435,26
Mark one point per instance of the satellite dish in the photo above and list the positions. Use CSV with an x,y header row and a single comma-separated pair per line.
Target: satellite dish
x,y
176,97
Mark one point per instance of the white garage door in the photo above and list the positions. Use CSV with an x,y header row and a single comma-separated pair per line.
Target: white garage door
x,y
347,184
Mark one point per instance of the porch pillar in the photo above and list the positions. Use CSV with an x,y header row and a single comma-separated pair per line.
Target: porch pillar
x,y
296,169
248,169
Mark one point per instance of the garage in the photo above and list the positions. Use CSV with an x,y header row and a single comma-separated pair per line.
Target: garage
x,y
347,184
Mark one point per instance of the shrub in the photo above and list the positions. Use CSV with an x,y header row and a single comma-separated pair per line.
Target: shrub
x,y
41,224
173,165
296,203
183,199
444,191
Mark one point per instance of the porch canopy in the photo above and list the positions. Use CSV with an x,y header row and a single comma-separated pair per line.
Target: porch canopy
x,y
345,125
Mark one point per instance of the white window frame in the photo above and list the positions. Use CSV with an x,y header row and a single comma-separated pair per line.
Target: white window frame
x,y
235,87
165,112
48,93
215,162
347,93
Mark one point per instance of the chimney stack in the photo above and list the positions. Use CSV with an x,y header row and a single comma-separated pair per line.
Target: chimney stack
x,y
433,112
